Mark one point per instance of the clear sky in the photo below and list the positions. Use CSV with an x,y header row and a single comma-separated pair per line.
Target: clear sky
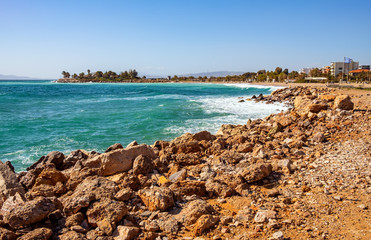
x,y
42,38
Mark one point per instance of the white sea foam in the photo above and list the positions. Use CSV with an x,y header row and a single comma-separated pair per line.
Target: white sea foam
x,y
248,85
229,110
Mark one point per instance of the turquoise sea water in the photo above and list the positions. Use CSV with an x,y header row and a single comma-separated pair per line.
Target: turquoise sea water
x,y
37,117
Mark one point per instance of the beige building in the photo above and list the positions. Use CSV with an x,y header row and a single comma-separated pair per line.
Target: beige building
x,y
338,67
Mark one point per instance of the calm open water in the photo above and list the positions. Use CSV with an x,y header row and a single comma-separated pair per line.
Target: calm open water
x,y
37,117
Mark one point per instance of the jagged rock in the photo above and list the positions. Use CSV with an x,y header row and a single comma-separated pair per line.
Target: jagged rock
x,y
92,188
188,188
114,147
124,194
193,211
264,215
256,172
73,157
277,236
286,165
245,215
78,175
12,202
9,184
38,233
343,102
30,212
106,211
28,180
319,137
178,176
72,235
125,233
157,198
75,219
217,189
204,135
56,158
119,160
132,144
205,222
316,108
301,104
6,234
50,177
168,224
142,165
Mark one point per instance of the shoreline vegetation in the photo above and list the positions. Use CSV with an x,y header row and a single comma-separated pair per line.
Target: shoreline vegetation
x,y
299,174
278,77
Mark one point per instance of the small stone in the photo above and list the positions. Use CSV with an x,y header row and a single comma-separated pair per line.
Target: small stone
x,y
363,207
264,215
339,198
273,224
277,236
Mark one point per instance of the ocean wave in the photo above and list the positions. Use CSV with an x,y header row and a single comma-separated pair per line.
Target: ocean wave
x,y
248,86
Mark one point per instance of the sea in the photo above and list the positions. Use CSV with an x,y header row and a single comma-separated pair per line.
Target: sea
x,y
37,117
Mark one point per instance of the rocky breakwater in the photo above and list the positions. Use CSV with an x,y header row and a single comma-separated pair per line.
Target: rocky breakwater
x,y
277,177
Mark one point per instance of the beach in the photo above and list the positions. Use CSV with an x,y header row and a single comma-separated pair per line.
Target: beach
x,y
297,174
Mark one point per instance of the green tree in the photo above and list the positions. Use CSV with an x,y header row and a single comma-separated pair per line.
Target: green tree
x,y
81,75
278,70
286,71
98,74
65,74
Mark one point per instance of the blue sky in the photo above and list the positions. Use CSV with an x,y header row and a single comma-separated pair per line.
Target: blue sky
x,y
42,38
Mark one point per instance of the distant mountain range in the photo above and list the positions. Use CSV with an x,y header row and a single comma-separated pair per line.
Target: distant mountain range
x,y
212,74
14,77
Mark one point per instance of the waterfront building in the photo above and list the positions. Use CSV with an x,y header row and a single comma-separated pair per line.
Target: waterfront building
x,y
344,67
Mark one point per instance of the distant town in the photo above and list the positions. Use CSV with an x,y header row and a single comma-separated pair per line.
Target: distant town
x,y
344,71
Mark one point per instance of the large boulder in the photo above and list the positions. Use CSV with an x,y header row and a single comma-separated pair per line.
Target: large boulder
x,y
157,198
119,160
188,188
193,211
92,188
7,234
142,165
38,233
256,172
56,158
30,212
9,184
126,233
105,214
343,102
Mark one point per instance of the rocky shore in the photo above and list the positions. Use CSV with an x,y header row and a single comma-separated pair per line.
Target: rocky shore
x,y
300,174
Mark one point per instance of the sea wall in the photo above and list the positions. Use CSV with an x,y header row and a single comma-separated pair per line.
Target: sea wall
x,y
246,180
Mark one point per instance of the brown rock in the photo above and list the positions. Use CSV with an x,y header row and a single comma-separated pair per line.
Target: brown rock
x,y
319,137
30,212
178,176
193,211
264,215
110,211
72,235
12,202
75,219
217,189
28,180
124,194
157,198
188,188
119,160
204,135
142,165
205,222
70,160
55,158
126,233
114,147
316,108
38,234
6,234
9,184
168,224
343,102
256,172
92,188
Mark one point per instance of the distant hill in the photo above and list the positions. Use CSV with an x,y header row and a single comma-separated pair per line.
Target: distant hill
x,y
13,77
212,74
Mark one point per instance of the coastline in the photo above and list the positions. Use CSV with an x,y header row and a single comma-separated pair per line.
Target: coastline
x,y
259,180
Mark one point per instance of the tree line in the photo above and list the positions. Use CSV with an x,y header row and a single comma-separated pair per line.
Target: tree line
x,y
102,76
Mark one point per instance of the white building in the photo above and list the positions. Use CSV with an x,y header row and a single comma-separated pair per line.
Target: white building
x,y
344,67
